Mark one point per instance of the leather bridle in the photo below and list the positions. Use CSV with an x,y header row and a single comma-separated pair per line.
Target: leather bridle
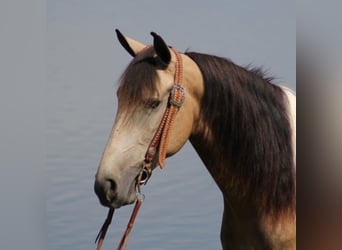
x,y
160,138
157,146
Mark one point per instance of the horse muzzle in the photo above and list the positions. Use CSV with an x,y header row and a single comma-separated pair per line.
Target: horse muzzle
x,y
108,192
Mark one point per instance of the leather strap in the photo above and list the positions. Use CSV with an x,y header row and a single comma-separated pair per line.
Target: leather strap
x,y
161,136
101,235
125,237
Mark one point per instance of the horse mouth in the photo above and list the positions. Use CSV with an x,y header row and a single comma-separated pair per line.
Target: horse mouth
x,y
111,204
117,203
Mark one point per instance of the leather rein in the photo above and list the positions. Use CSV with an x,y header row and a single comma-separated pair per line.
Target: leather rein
x,y
157,146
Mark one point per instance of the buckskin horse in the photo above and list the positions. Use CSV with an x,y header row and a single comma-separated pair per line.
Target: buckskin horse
x,y
241,124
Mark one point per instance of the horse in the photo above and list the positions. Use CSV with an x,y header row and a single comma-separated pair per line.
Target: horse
x,y
241,124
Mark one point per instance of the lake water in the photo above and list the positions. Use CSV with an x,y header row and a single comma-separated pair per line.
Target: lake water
x,y
182,208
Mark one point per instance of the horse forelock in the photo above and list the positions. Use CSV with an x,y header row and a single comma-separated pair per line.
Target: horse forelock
x,y
140,78
249,124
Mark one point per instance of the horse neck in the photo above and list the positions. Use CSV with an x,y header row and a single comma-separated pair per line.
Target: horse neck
x,y
243,226
227,142
213,160
243,222
201,136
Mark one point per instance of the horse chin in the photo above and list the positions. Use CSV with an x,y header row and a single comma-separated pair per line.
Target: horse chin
x,y
119,202
122,201
117,205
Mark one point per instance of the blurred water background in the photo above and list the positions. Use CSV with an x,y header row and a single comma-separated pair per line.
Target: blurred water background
x,y
183,206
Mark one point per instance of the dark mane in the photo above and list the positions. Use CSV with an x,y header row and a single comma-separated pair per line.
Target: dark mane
x,y
248,119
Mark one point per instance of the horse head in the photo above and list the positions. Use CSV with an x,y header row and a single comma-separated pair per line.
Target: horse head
x,y
143,96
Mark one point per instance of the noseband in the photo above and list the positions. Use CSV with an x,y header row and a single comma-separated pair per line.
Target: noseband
x,y
157,145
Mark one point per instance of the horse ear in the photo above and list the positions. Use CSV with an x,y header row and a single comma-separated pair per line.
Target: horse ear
x,y
131,46
161,48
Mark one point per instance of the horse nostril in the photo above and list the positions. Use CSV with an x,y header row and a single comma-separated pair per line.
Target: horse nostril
x,y
110,189
106,190
112,185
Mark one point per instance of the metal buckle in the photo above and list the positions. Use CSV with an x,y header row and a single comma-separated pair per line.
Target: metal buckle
x,y
144,175
172,100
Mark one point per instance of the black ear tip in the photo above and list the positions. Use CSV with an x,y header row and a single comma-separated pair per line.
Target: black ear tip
x,y
154,34
161,48
118,33
124,42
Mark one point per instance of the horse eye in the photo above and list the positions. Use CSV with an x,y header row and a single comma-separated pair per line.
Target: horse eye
x,y
153,103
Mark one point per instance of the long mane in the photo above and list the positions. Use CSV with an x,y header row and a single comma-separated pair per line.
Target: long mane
x,y
248,119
